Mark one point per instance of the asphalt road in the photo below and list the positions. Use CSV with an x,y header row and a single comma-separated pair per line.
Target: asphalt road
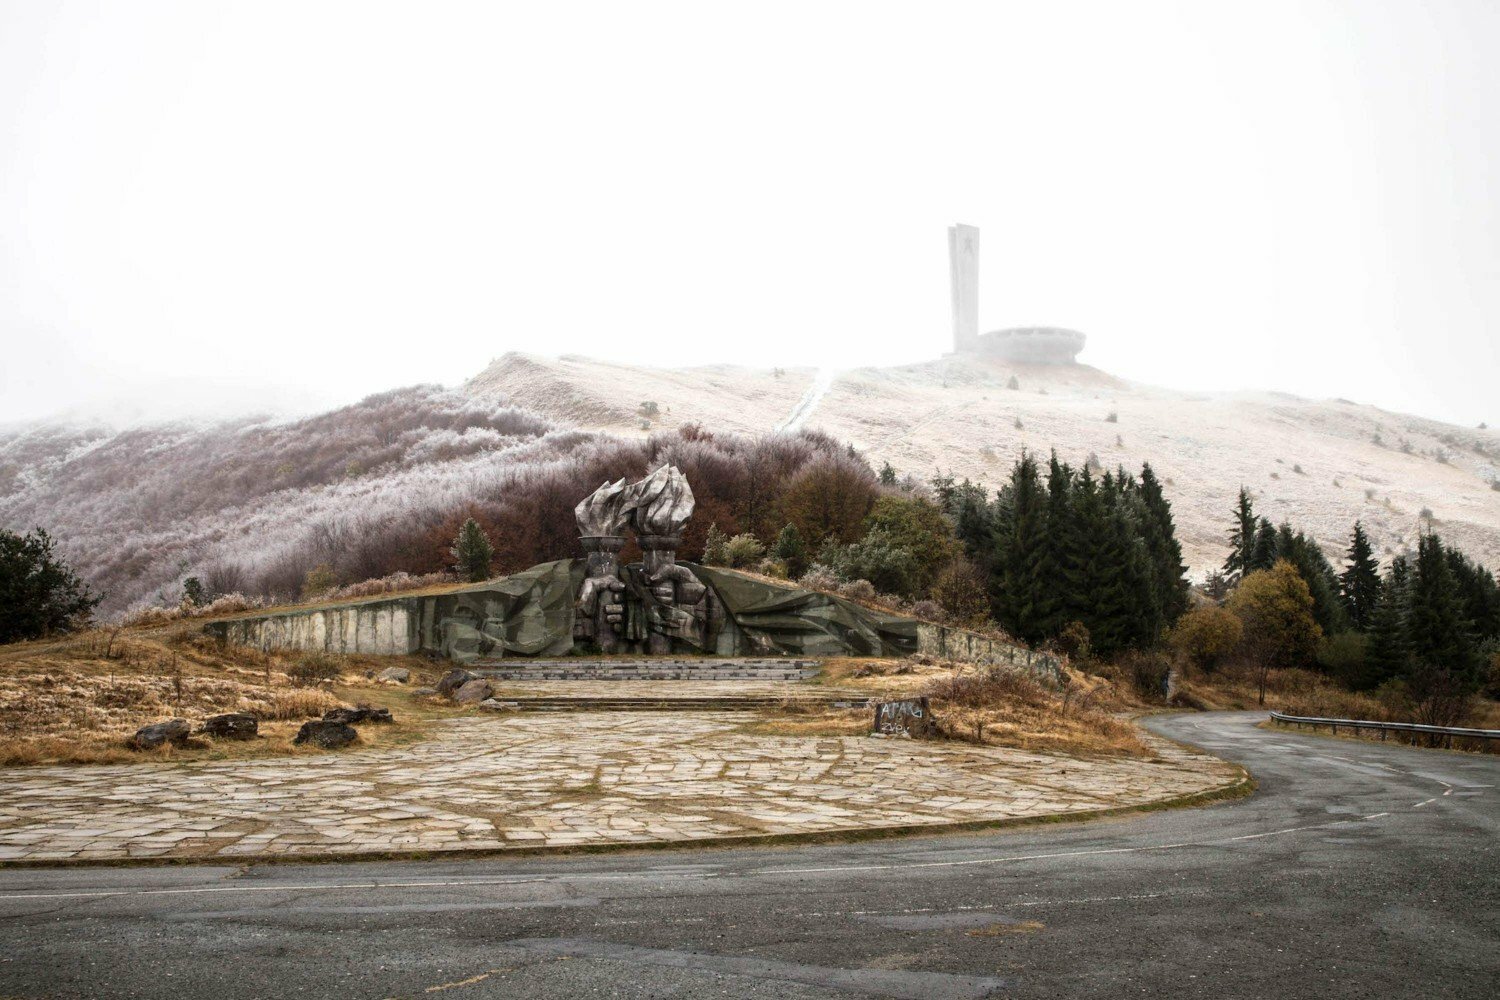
x,y
1356,870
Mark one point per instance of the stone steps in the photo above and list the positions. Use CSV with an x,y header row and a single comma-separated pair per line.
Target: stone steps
x,y
644,669
737,703
676,675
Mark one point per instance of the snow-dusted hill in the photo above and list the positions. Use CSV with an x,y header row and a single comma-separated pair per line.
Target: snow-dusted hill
x,y
1319,463
251,503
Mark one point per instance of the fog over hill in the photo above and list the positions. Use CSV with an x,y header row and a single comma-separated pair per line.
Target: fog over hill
x,y
249,502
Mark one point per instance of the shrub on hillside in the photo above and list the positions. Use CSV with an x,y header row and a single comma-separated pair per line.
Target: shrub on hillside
x,y
932,611
918,527
858,590
1343,656
743,550
1148,671
876,558
312,669
960,590
1206,635
318,581
772,568
820,578
1075,643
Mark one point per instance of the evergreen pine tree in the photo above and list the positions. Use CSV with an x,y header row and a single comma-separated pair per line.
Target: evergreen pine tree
x,y
193,592
1093,565
39,594
790,549
1123,600
1169,572
1242,537
715,547
1318,573
1263,548
1389,653
1359,586
1020,554
1435,624
472,552
887,475
1479,593
1058,572
1399,573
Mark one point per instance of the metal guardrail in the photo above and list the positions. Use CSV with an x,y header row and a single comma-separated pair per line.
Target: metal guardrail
x,y
1435,734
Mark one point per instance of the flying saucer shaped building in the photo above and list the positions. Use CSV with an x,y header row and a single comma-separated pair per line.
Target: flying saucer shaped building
x,y
1033,345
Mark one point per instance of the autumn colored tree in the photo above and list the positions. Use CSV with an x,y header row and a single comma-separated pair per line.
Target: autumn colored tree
x,y
1206,635
960,591
829,500
1275,608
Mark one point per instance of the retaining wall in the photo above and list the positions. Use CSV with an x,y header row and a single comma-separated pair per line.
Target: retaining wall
x,y
957,644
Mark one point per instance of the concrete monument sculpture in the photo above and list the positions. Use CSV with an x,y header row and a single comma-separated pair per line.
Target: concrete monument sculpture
x,y
596,604
647,605
601,521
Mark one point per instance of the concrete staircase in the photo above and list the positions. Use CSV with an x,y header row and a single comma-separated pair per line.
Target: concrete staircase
x,y
728,703
647,669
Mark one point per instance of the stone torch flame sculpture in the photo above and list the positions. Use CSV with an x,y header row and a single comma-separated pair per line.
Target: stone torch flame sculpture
x,y
659,506
601,522
644,605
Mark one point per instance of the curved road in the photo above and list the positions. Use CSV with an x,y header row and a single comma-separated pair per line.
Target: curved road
x,y
1356,870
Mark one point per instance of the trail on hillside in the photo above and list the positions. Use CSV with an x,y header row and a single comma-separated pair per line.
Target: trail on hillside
x,y
821,383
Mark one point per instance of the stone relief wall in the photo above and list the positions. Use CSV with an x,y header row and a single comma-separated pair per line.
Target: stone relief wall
x,y
656,606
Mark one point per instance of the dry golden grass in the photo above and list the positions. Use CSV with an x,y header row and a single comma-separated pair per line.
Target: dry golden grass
x,y
1303,692
978,705
79,699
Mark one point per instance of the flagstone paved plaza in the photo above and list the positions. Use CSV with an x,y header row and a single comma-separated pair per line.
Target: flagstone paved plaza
x,y
561,780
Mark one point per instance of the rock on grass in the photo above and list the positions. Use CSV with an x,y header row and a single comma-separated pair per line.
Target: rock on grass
x,y
328,735
152,736
231,726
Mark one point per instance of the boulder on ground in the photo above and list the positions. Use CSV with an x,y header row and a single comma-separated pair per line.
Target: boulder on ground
x,y
328,735
453,680
152,736
495,705
473,692
398,675
231,726
352,716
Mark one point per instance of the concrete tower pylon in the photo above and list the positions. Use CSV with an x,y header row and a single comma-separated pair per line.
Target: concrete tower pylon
x,y
963,265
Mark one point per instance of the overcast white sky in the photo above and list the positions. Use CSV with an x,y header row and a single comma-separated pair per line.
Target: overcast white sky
x,y
213,205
